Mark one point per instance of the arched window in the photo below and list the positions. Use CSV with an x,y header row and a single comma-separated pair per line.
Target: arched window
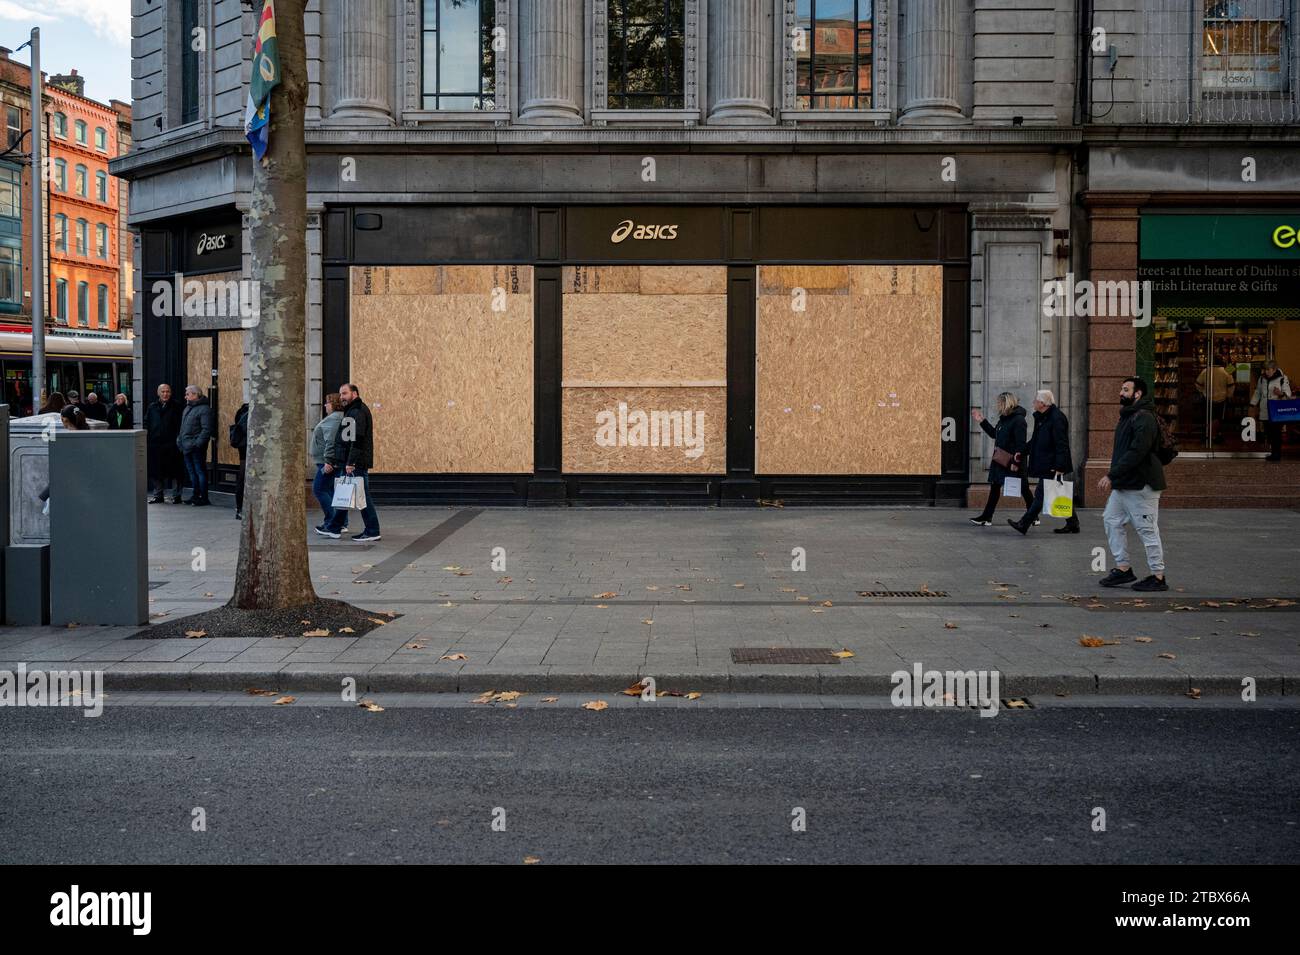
x,y
60,232
61,175
833,67
60,125
101,139
101,240
647,54
102,306
83,236
459,62
83,303
80,180
61,300
101,186
80,127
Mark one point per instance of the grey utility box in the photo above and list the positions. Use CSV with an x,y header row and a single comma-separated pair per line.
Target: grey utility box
x,y
27,585
4,477
99,537
29,474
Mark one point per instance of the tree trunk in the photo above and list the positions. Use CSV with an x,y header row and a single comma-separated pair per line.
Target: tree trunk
x,y
273,572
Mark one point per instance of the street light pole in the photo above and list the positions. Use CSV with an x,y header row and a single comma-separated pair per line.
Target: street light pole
x,y
38,229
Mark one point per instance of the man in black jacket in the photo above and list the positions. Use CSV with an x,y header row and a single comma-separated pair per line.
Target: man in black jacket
x,y
1134,481
1049,457
353,452
162,420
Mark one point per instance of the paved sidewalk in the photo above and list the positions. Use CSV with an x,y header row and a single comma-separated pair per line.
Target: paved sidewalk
x,y
692,584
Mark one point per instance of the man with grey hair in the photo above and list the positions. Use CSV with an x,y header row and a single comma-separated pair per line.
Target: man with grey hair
x,y
196,432
1049,457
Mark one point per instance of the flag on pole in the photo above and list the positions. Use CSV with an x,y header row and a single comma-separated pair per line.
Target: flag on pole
x,y
265,77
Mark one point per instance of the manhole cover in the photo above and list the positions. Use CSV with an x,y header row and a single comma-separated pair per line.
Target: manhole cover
x,y
778,655
902,593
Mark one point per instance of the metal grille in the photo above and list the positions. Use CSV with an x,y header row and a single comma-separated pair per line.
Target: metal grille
x,y
902,593
814,655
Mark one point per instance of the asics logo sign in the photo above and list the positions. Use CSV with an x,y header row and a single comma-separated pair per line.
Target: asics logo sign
x,y
629,229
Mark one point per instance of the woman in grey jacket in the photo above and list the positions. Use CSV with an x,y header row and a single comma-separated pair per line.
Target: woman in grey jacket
x,y
1273,384
322,437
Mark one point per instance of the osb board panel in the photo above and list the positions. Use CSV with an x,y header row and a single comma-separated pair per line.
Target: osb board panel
x,y
198,366
852,384
230,390
601,438
448,379
665,325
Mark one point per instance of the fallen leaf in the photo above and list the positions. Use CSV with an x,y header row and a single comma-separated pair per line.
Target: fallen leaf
x,y
827,603
647,621
160,613
195,634
1096,642
596,705
950,626
452,567
636,689
843,654
447,604
464,573
1194,693
550,699
602,606
316,633
739,586
453,656
1017,705
254,691
1248,633
377,620
346,630
531,860
505,580
284,701
789,590
682,586
485,697
803,598
651,587
1166,656
1141,639
1210,603
209,595
414,646
818,610
607,595
370,706
671,693
694,695
305,623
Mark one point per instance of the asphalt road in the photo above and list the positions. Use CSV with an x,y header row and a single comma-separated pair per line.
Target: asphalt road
x,y
285,784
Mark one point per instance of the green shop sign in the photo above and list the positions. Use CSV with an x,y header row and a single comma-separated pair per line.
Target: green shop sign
x,y
1168,237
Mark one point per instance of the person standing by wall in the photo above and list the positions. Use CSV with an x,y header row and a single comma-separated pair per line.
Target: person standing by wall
x,y
353,452
239,441
1049,457
1134,482
162,421
1009,438
195,433
94,408
1273,384
322,440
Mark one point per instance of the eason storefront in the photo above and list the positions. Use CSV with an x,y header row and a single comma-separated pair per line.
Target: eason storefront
x,y
593,354
1226,298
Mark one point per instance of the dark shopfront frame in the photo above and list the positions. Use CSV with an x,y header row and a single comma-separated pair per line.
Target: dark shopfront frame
x,y
548,238
167,248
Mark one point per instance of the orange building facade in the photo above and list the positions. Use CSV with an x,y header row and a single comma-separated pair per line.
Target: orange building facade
x,y
82,212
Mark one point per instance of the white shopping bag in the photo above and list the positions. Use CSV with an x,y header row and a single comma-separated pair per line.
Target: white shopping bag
x,y
1058,497
1011,487
349,494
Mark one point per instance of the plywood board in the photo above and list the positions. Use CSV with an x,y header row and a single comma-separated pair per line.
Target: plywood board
x,y
664,338
230,390
448,375
645,430
852,383
198,366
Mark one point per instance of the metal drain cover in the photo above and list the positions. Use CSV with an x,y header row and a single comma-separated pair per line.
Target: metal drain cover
x,y
782,655
902,593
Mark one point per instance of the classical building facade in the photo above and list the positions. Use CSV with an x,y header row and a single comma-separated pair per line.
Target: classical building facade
x,y
704,250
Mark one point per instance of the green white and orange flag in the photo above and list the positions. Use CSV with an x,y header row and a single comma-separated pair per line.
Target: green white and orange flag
x,y
265,77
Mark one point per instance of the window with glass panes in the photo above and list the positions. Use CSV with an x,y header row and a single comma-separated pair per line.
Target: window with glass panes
x,y
101,186
459,64
647,54
11,193
60,125
80,128
83,303
101,305
61,175
83,236
11,275
61,300
101,139
101,240
60,232
13,123
833,67
189,60
1243,43
80,180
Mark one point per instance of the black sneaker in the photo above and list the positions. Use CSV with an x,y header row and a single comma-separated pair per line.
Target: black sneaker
x,y
1151,583
1117,577
155,500
364,538
1022,528
239,515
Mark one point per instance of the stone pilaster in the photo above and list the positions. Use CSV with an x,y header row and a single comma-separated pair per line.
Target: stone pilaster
x,y
930,45
551,61
740,62
365,69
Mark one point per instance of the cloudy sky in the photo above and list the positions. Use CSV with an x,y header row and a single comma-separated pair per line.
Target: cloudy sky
x,y
92,36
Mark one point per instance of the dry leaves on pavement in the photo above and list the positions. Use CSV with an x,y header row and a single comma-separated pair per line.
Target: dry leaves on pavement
x,y
492,696
636,689
316,633
1166,656
607,595
284,701
196,634
843,654
596,705
1086,641
370,706
254,691
453,656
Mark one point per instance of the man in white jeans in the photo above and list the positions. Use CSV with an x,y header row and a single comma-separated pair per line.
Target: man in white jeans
x,y
1135,480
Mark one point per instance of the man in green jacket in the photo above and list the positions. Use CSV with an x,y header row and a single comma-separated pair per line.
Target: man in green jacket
x,y
1134,481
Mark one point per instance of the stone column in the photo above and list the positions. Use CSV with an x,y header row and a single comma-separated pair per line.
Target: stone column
x,y
930,44
365,68
740,62
551,61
